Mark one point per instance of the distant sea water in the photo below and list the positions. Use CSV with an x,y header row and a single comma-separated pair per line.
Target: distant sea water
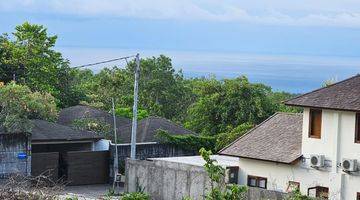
x,y
291,73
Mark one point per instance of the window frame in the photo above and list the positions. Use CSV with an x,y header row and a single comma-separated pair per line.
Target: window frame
x,y
257,181
357,128
310,134
317,192
297,184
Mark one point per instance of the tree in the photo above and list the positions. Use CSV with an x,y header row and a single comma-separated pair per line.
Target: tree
x,y
223,105
29,57
278,98
219,189
162,90
19,105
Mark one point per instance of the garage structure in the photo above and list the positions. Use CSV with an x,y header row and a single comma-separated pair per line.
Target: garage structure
x,y
79,157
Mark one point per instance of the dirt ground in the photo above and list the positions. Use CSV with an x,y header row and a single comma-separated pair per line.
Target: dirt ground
x,y
88,192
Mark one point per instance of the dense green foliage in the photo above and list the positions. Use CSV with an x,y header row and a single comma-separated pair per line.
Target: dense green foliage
x,y
219,189
223,105
135,196
128,113
28,56
296,195
218,110
191,142
195,142
19,105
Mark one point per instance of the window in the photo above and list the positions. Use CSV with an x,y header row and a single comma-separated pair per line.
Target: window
x,y
256,181
319,192
293,186
358,196
233,175
315,123
357,128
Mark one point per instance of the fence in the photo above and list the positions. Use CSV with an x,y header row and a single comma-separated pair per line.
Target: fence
x,y
14,155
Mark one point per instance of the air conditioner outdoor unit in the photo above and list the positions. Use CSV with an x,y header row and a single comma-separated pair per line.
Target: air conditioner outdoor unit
x,y
317,160
349,165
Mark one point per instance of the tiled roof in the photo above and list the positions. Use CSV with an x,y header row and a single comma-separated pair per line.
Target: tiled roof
x,y
277,139
344,95
68,115
48,131
147,128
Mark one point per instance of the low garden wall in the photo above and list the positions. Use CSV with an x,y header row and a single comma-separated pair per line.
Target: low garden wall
x,y
164,180
144,151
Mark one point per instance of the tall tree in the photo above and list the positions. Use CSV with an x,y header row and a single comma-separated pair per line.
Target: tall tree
x,y
29,58
162,90
19,105
223,105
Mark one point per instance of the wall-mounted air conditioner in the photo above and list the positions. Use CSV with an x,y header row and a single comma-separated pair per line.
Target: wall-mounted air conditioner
x,y
349,165
317,161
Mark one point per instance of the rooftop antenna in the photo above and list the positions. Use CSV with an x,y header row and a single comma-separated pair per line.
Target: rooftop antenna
x,y
134,121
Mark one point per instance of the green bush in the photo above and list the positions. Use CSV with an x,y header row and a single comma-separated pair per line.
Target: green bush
x,y
188,141
219,189
135,196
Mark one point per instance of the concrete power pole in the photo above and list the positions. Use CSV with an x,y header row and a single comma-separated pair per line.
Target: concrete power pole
x,y
116,158
134,121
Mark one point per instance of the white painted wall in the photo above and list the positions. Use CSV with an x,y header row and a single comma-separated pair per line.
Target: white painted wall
x,y
336,143
101,145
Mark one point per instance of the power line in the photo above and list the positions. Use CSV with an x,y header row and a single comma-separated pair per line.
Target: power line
x,y
106,61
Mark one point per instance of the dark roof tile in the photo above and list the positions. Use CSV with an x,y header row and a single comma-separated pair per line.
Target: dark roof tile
x,y
68,115
277,139
344,95
48,131
147,128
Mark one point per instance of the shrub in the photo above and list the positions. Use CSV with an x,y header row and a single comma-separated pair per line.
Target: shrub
x,y
135,196
188,141
219,190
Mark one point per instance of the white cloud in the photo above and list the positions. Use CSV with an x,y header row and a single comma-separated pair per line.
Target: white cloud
x,y
342,13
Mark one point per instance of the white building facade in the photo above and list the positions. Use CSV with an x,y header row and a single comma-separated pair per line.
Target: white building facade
x,y
330,132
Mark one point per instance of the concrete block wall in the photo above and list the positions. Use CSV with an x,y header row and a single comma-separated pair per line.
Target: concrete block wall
x,y
165,180
10,147
144,151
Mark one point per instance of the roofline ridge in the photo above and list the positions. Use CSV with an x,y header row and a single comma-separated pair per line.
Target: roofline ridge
x,y
289,113
248,132
322,88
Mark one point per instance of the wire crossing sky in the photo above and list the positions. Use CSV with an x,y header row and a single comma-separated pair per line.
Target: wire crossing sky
x,y
289,45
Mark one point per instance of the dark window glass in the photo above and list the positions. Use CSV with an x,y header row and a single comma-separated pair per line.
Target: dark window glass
x,y
315,123
256,181
357,128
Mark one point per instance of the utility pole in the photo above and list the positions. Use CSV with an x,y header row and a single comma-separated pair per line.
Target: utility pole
x,y
134,121
116,158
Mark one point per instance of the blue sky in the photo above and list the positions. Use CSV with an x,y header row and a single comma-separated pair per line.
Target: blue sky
x,y
290,45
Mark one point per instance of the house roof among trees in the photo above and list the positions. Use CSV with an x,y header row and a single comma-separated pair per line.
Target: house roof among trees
x,y
68,115
49,131
344,95
277,139
147,129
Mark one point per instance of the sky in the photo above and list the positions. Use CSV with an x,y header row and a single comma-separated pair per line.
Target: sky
x,y
290,45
